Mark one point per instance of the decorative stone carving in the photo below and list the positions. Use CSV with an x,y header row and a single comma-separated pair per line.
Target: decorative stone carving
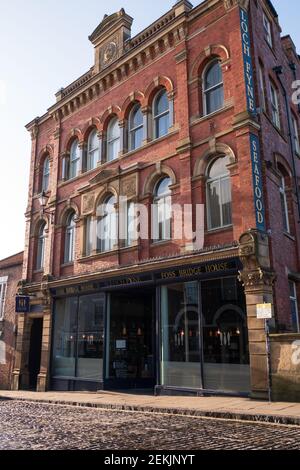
x,y
254,255
88,203
129,186
104,175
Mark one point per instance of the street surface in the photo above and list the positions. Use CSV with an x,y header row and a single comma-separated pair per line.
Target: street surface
x,y
37,426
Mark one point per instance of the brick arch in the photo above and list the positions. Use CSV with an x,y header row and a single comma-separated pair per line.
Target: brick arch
x,y
209,53
103,195
73,135
155,85
282,162
37,222
204,160
46,151
159,172
107,115
131,100
71,207
93,123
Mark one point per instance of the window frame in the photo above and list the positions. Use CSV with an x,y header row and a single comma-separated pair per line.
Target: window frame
x,y
284,205
261,73
111,141
106,221
133,130
294,300
92,152
70,233
275,107
46,174
214,87
296,135
40,249
157,117
3,292
74,162
268,34
220,178
164,200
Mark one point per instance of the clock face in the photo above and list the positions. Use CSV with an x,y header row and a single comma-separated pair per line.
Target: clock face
x,y
110,52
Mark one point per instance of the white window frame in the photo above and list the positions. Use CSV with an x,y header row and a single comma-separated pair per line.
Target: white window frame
x,y
130,224
70,234
262,86
206,91
275,106
296,135
92,152
3,291
219,179
162,214
46,174
157,117
284,205
268,30
111,140
108,226
74,162
133,130
41,244
294,300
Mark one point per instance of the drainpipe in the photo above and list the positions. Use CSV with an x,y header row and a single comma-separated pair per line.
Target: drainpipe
x,y
279,70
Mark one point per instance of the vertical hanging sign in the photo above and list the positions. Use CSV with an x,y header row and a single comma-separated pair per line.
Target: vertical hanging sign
x,y
257,183
248,68
251,108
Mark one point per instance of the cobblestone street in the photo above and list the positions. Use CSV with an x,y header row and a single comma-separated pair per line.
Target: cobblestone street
x,y
27,425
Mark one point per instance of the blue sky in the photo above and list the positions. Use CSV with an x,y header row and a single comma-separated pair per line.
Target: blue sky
x,y
44,46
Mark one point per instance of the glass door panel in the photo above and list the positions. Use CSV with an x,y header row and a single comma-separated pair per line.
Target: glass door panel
x,y
225,336
131,338
180,365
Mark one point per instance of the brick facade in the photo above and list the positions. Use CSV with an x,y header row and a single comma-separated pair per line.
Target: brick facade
x,y
12,269
172,53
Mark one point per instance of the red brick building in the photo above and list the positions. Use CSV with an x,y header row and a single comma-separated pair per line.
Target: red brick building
x,y
10,275
190,112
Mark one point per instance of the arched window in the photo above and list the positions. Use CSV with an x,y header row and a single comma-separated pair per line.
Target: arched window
x,y
107,225
284,204
213,87
74,159
69,252
46,174
161,114
219,194
40,255
135,128
92,150
162,216
113,140
130,224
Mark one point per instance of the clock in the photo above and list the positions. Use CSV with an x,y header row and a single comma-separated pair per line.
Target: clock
x,y
110,52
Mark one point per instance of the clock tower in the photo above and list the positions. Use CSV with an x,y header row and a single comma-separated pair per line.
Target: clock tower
x,y
109,38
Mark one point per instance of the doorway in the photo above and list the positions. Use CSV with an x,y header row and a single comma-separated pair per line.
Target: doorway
x,y
130,358
35,350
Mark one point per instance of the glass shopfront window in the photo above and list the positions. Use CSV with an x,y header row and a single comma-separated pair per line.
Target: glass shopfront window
x,y
78,337
204,344
225,336
180,366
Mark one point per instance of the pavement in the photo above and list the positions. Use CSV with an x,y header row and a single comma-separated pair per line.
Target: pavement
x,y
227,408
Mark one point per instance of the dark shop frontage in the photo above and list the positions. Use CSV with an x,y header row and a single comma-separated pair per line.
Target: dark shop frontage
x,y
180,330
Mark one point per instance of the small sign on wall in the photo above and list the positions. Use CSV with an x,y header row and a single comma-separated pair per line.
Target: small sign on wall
x,y
22,304
264,311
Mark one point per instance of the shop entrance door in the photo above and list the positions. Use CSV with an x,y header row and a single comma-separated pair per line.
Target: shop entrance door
x,y
130,359
35,352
